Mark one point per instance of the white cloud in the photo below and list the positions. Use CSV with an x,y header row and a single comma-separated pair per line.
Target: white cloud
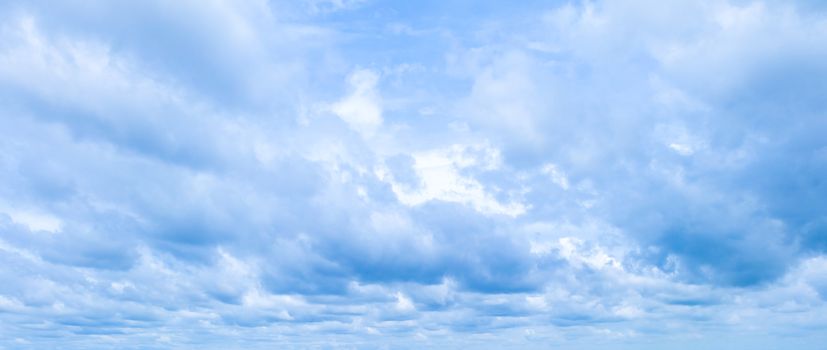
x,y
213,184
557,176
441,179
35,221
361,109
403,303
505,96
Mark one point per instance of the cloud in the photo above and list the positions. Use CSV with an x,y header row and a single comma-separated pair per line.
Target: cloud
x,y
439,178
361,109
305,175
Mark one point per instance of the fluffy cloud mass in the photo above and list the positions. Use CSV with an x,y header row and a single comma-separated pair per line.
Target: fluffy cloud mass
x,y
407,175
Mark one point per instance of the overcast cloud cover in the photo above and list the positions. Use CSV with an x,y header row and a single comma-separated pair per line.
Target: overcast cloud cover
x,y
364,174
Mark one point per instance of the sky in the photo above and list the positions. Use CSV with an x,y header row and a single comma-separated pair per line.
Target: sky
x,y
366,174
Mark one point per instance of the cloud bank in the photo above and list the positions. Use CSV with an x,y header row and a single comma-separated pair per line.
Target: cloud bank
x,y
371,175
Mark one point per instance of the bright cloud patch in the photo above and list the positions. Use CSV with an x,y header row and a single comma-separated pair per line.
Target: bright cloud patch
x,y
361,108
439,177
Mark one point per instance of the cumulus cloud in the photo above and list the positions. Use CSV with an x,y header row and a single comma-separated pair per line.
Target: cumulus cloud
x,y
306,175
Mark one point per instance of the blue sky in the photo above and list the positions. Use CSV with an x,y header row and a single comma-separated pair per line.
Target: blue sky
x,y
360,174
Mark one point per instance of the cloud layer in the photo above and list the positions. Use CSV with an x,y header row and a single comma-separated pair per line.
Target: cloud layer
x,y
368,174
